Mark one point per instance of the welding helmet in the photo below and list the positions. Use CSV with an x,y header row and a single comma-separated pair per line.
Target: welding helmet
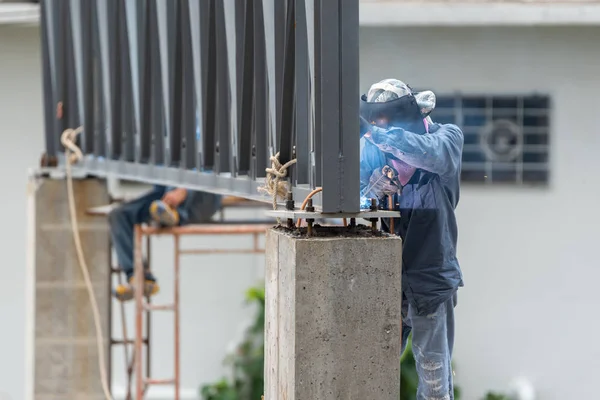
x,y
395,102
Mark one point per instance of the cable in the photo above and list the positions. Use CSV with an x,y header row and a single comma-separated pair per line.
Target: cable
x,y
74,154
305,202
310,195
303,206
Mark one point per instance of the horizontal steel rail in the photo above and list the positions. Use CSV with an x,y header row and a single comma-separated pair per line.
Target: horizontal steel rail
x,y
201,93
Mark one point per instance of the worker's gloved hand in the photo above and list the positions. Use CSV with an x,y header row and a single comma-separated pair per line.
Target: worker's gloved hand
x,y
383,182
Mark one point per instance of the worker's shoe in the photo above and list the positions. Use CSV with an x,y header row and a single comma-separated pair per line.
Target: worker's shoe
x,y
163,214
126,292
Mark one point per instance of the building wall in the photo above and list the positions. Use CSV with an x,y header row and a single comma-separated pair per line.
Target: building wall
x,y
528,255
66,351
21,127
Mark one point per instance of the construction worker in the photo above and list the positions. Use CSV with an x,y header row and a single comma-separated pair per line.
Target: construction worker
x,y
416,164
166,206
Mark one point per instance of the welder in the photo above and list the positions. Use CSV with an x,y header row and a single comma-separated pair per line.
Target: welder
x,y
416,163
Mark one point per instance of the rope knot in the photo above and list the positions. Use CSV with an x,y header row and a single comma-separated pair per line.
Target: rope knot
x,y
68,139
275,182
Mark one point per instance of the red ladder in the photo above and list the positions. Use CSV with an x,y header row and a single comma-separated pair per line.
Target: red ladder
x,y
141,307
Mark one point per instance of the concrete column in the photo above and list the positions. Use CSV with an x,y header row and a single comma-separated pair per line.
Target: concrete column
x,y
66,356
333,321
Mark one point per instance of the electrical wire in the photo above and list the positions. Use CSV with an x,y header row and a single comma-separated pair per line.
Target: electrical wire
x,y
305,202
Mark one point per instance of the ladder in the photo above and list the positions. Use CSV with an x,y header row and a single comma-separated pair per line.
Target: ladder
x,y
144,306
124,340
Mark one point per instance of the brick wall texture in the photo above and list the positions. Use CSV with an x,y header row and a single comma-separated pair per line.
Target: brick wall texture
x,y
66,356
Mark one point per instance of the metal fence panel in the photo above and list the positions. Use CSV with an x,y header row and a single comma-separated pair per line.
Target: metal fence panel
x,y
260,105
46,32
201,93
349,159
301,85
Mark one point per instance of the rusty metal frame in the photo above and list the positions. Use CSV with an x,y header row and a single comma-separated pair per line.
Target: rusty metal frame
x,y
144,307
124,339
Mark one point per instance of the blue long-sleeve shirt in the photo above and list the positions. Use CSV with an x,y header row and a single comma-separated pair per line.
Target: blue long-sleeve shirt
x,y
197,206
431,272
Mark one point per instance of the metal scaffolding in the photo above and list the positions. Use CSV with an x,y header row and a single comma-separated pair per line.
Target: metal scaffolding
x,y
138,347
201,93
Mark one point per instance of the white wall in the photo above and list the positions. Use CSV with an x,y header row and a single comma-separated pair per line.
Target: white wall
x,y
529,256
21,133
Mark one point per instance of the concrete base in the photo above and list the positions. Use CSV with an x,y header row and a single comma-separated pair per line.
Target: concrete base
x,y
333,321
66,356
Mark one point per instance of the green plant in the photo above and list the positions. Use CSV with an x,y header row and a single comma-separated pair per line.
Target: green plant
x,y
221,390
247,362
496,396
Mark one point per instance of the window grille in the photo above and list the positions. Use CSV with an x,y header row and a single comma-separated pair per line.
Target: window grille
x,y
506,137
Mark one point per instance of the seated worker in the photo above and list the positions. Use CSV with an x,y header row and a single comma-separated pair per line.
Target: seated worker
x,y
418,163
166,206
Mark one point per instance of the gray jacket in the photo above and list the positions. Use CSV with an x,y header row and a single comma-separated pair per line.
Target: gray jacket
x,y
431,272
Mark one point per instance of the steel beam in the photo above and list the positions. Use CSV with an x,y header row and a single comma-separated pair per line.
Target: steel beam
x,y
260,103
303,116
338,76
48,77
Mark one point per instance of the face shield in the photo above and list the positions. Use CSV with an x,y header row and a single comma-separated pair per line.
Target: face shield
x,y
392,103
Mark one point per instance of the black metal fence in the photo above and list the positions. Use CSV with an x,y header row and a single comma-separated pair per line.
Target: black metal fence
x,y
200,93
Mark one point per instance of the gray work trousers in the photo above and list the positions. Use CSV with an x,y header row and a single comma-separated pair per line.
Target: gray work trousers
x,y
432,343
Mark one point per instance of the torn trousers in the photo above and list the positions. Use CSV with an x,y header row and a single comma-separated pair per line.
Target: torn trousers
x,y
432,344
